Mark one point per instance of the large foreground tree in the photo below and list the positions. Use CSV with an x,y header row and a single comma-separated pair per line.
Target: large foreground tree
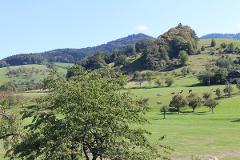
x,y
87,118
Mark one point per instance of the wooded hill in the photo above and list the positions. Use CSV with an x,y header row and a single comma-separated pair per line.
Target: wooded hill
x,y
167,52
69,55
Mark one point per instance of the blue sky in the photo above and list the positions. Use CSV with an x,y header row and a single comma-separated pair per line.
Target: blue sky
x,y
40,25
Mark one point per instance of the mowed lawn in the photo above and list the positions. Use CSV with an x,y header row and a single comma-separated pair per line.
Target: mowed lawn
x,y
199,134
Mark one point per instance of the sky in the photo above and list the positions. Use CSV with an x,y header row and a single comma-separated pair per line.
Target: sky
x,y
29,26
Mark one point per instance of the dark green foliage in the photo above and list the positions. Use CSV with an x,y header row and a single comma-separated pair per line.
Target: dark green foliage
x,y
138,76
169,81
206,77
128,50
183,57
211,103
223,45
238,84
94,62
207,95
164,109
23,59
8,87
213,43
225,62
141,46
213,76
218,93
230,48
75,70
158,82
181,38
228,90
158,54
194,101
178,101
185,71
9,122
121,60
154,58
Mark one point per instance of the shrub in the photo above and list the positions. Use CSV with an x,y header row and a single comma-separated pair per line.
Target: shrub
x,y
169,81
158,82
228,90
218,93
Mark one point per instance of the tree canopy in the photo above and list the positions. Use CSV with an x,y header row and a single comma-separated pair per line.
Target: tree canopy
x,y
87,117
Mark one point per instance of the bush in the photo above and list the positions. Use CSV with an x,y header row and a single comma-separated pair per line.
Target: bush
x,y
228,90
169,81
183,57
158,82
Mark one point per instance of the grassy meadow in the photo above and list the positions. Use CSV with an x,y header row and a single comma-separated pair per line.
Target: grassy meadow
x,y
36,76
198,134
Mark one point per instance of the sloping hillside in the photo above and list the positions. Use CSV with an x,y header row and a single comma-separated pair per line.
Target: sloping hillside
x,y
69,55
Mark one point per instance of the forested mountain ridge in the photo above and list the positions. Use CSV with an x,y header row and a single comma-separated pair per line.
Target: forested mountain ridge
x,y
221,35
69,55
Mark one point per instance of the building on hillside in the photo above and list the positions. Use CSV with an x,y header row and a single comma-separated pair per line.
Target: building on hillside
x,y
233,76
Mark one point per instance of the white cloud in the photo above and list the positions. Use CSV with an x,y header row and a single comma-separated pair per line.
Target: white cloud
x,y
141,28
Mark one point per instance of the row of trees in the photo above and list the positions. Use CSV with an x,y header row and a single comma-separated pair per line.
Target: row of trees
x,y
148,76
192,100
229,48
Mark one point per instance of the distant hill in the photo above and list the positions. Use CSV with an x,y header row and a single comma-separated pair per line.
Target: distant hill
x,y
221,35
69,55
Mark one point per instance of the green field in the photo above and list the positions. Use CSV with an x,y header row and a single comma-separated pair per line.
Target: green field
x,y
43,72
195,134
207,42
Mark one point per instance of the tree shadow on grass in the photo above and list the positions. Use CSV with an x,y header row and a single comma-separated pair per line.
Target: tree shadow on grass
x,y
186,113
194,113
146,87
237,120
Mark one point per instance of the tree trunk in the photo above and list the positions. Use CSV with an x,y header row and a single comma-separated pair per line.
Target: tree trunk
x,y
74,157
94,157
85,153
164,115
